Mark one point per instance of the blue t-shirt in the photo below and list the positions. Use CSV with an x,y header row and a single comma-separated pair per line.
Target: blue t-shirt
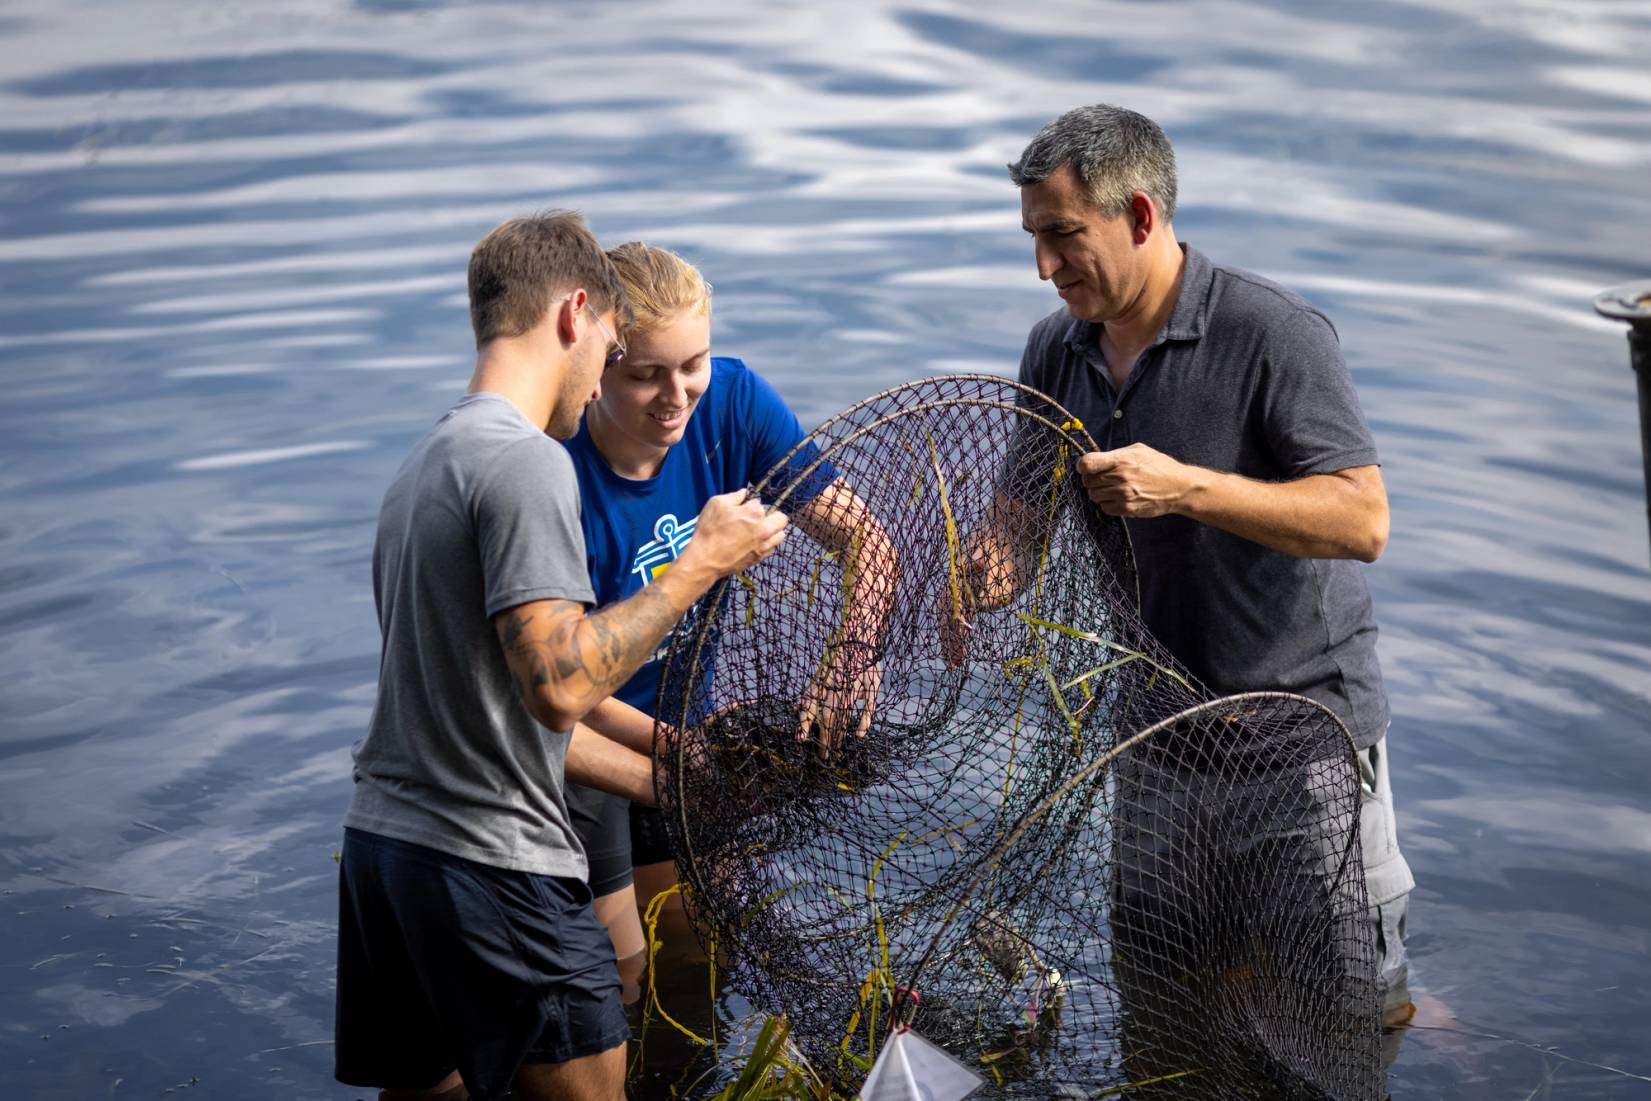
x,y
634,529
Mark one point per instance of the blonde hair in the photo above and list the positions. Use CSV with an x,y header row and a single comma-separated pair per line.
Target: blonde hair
x,y
659,284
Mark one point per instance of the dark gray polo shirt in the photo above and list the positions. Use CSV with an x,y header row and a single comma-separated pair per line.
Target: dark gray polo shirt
x,y
1246,377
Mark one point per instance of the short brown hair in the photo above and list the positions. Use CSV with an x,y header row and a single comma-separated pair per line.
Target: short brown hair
x,y
520,268
659,284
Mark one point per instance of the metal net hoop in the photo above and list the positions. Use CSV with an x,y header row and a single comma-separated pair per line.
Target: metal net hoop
x,y
1056,854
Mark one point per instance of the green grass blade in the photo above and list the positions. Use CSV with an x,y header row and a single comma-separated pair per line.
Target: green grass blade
x,y
1091,636
1098,670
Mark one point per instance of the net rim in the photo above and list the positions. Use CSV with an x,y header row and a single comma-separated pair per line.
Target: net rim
x,y
1071,430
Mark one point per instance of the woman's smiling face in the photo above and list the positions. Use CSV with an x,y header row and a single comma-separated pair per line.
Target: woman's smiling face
x,y
650,394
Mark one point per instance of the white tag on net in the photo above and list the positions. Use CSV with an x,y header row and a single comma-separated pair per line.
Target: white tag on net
x,y
909,1068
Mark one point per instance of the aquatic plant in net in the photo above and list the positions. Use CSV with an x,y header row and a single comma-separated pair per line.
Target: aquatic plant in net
x,y
993,807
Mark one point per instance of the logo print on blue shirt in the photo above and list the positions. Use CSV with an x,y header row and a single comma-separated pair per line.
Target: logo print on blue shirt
x,y
670,537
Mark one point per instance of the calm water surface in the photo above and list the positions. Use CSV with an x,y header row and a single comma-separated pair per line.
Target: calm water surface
x,y
232,246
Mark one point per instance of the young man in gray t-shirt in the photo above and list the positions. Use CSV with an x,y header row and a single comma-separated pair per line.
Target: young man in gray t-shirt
x,y
470,962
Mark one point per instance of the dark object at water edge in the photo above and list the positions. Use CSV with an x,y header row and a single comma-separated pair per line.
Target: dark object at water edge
x,y
1631,302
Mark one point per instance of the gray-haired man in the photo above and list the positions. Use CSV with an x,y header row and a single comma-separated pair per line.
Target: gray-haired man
x,y
1233,446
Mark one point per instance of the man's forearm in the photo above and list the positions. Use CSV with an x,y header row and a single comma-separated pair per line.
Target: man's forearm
x,y
608,646
992,565
1001,557
569,661
1340,515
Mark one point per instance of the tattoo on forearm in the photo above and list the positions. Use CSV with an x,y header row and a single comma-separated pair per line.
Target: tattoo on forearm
x,y
624,636
592,655
513,628
522,654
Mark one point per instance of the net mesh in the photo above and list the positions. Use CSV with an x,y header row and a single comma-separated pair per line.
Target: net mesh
x,y
1050,851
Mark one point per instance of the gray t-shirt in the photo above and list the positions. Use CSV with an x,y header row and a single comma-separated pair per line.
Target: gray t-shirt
x,y
482,516
1246,377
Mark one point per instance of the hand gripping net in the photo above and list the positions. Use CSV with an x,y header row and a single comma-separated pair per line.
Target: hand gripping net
x,y
1052,852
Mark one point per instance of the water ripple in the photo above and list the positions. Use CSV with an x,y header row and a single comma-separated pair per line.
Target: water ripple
x,y
232,245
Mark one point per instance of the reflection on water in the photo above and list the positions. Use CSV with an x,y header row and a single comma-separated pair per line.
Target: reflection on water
x,y
232,243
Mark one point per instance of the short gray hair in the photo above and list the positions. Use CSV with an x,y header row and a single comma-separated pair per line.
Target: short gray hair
x,y
1115,152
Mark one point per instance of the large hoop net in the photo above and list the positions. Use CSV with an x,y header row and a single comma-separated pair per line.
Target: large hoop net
x,y
1051,852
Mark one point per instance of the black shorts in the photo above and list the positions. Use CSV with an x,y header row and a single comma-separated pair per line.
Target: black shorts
x,y
650,844
618,835
444,964
603,826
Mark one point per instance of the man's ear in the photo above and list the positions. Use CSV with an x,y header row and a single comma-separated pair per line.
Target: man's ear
x,y
565,313
1145,213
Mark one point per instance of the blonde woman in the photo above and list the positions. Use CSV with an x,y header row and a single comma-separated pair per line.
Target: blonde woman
x,y
673,427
